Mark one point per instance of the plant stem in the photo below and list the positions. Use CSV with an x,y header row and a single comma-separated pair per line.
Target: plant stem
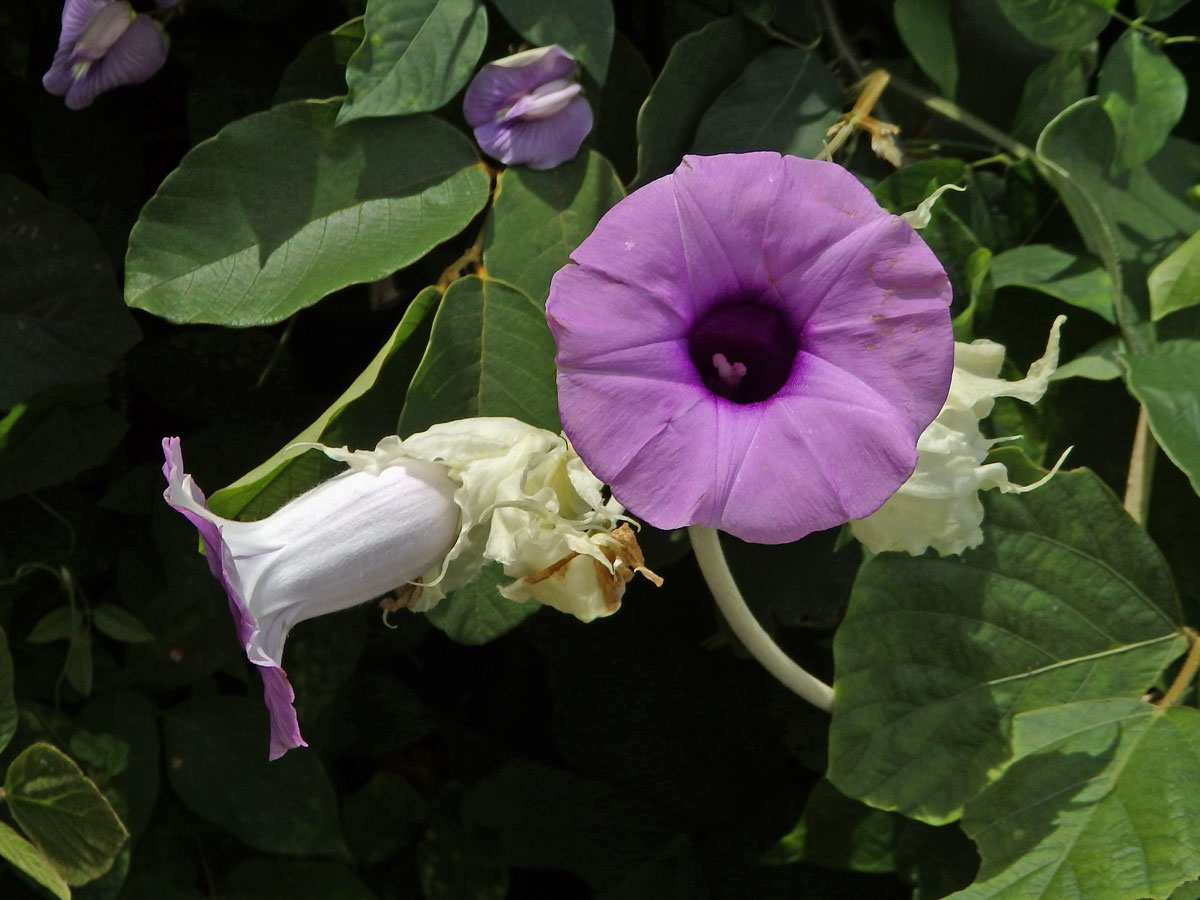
x,y
707,545
1186,672
952,111
1141,470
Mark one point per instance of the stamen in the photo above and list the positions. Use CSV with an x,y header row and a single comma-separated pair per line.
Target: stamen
x,y
730,373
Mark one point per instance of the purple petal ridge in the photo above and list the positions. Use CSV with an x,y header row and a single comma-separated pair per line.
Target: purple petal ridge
x,y
185,496
751,344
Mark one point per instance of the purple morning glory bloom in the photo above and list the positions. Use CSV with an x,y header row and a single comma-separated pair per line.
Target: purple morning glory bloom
x,y
346,541
103,45
751,344
525,110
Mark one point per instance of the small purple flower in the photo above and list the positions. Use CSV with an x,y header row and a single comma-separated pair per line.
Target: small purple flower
x,y
751,344
525,110
348,540
103,45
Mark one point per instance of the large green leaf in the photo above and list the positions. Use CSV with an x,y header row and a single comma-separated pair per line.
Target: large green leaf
x,y
1143,94
1049,89
60,433
64,813
1066,599
584,28
26,858
1166,381
1175,282
319,70
477,613
219,768
416,55
616,109
280,208
699,67
925,28
8,702
1051,270
60,314
539,218
490,354
1103,803
1061,24
365,412
785,100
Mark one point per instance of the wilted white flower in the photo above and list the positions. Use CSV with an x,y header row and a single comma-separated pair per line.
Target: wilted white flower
x,y
421,515
939,505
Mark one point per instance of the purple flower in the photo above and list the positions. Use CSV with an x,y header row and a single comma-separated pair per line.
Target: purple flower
x,y
348,540
525,110
103,45
751,344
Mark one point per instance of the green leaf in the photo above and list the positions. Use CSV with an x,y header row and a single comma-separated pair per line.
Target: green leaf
x,y
364,413
1103,802
1051,88
8,701
60,316
217,750
616,109
785,101
416,55
584,28
383,817
63,813
1175,282
1166,381
490,354
699,67
1060,24
925,28
271,879
78,667
1156,10
120,624
55,625
539,218
1101,363
1060,273
1143,94
25,857
60,433
319,70
1066,599
840,833
476,613
280,208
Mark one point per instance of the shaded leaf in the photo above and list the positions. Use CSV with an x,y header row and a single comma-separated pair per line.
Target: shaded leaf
x,y
216,751
1101,363
280,208
785,100
616,109
477,613
8,702
365,412
699,67
1166,381
925,28
539,218
1155,10
319,69
55,625
25,857
63,813
60,319
1102,802
270,879
1066,599
584,28
1052,270
490,354
1051,88
415,56
1175,282
1061,24
840,833
1143,94
382,818
120,624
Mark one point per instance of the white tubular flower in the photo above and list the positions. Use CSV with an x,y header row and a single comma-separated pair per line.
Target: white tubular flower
x,y
939,505
527,502
422,515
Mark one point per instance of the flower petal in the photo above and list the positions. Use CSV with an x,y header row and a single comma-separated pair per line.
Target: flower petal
x,y
135,57
76,15
502,82
538,143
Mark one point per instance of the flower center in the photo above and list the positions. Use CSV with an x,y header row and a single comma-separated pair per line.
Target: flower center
x,y
743,351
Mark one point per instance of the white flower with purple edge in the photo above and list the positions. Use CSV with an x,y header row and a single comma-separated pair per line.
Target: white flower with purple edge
x,y
526,110
424,514
104,44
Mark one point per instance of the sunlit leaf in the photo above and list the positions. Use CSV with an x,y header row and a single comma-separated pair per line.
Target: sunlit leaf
x,y
1175,282
1143,94
1166,381
1051,270
26,858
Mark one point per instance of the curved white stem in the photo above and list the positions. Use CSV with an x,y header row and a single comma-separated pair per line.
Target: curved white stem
x,y
707,545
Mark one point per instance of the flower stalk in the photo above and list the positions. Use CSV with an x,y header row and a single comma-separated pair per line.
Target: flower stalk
x,y
706,543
